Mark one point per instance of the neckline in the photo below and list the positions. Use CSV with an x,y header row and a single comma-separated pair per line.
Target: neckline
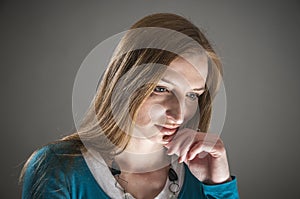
x,y
106,181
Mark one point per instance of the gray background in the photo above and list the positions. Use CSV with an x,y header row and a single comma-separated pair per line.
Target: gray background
x,y
44,42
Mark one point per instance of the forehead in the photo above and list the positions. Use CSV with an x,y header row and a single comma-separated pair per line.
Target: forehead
x,y
192,69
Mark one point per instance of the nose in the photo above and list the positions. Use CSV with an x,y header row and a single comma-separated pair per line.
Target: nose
x,y
174,110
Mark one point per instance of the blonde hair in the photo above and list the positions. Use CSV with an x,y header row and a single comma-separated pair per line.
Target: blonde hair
x,y
101,115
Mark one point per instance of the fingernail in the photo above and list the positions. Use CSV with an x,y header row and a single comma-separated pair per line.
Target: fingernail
x,y
168,152
202,155
180,160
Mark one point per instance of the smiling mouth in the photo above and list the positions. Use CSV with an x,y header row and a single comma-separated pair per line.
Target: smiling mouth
x,y
168,132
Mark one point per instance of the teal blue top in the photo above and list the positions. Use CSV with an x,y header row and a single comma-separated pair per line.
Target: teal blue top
x,y
52,173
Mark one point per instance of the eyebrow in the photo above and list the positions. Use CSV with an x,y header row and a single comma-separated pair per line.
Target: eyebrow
x,y
195,89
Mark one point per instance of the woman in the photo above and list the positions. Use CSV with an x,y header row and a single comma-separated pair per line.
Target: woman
x,y
144,134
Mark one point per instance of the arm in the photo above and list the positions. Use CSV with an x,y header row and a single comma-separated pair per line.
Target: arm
x,y
226,190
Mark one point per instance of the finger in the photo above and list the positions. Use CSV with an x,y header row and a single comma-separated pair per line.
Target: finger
x,y
180,146
199,148
214,149
195,149
182,143
184,149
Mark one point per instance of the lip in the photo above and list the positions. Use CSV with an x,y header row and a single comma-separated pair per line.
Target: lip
x,y
168,132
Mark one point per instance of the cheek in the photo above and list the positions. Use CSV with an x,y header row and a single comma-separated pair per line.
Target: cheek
x,y
149,113
191,110
142,118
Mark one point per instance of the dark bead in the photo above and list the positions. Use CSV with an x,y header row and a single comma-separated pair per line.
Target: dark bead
x,y
115,169
172,175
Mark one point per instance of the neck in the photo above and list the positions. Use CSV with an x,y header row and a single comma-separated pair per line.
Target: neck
x,y
141,156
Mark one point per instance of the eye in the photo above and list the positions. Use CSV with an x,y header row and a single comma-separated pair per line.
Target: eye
x,y
160,89
192,96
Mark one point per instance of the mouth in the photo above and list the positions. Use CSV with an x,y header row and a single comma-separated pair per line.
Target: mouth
x,y
168,132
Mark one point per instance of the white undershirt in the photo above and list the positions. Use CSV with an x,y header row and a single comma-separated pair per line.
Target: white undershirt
x,y
106,181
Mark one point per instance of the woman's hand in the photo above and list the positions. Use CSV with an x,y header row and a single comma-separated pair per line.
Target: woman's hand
x,y
204,154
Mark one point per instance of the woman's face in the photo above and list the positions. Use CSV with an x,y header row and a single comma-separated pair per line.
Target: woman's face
x,y
174,100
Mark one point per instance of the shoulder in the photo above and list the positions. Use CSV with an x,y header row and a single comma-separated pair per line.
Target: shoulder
x,y
61,148
56,157
55,152
58,170
50,169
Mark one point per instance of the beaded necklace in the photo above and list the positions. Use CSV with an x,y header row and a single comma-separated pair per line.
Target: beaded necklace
x,y
174,187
